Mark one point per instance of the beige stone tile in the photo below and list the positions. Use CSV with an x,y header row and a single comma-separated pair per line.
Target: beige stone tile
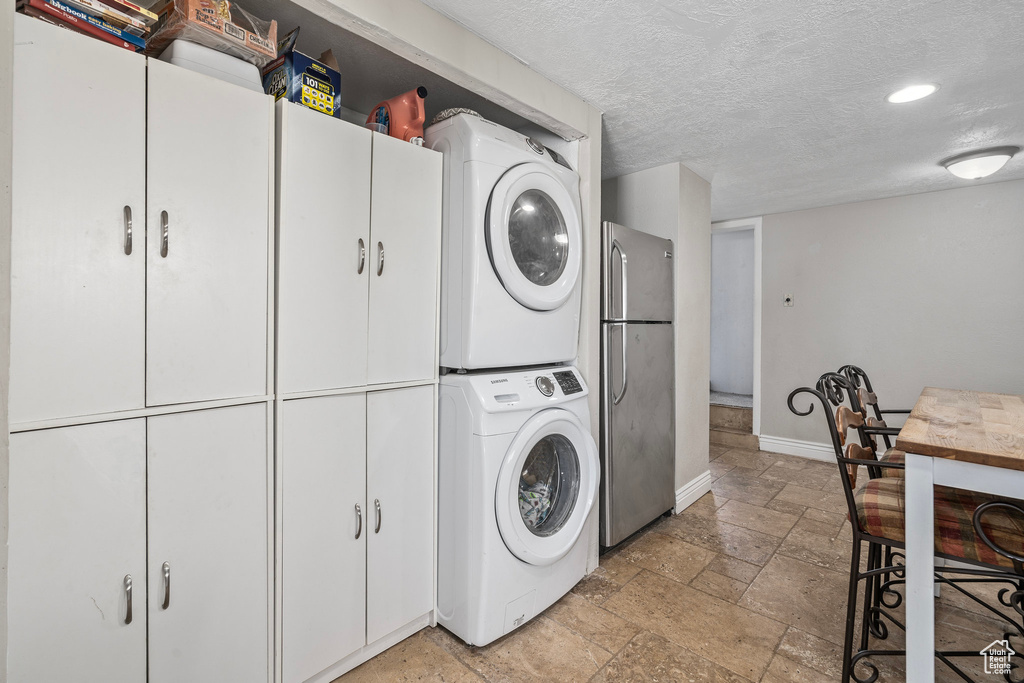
x,y
831,553
820,522
416,658
757,518
650,657
597,625
811,651
737,639
717,451
721,537
611,574
804,472
540,650
753,462
719,468
740,484
800,594
707,505
829,501
782,670
785,506
713,583
734,568
668,556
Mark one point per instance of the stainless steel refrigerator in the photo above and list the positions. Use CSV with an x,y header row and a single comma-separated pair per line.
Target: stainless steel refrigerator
x,y
637,381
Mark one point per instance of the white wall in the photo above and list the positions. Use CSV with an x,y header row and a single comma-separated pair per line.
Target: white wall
x,y
673,202
732,311
6,115
923,290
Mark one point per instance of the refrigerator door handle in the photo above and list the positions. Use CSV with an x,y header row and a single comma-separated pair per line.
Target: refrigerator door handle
x,y
623,280
625,377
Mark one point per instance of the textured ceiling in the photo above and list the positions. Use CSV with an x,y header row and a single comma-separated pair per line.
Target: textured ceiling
x,y
779,103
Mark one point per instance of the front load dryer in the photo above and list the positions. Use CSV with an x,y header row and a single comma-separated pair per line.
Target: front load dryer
x,y
512,248
518,477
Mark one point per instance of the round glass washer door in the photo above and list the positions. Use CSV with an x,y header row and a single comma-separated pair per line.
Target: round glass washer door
x,y
534,237
546,487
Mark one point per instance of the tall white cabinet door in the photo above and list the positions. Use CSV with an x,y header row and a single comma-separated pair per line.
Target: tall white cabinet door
x,y
405,236
78,528
323,211
208,527
400,441
209,184
325,525
77,296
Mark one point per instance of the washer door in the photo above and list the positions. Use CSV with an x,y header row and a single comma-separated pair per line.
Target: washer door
x,y
534,237
546,487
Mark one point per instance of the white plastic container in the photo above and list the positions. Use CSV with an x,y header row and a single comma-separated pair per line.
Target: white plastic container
x,y
208,61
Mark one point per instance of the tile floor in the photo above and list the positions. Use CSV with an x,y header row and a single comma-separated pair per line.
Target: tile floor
x,y
748,584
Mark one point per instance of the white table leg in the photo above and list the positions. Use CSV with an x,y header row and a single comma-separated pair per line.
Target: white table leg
x,y
920,526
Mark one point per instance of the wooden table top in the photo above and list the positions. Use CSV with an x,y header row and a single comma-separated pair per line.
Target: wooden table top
x,y
971,426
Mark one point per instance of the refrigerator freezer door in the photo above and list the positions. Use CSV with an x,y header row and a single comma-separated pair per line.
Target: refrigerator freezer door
x,y
637,427
637,266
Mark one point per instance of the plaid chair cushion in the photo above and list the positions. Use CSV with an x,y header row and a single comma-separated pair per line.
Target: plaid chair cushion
x,y
894,456
880,512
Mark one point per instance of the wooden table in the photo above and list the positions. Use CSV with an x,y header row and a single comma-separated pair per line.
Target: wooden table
x,y
963,439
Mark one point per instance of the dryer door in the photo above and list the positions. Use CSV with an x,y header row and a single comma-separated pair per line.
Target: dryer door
x,y
534,237
546,487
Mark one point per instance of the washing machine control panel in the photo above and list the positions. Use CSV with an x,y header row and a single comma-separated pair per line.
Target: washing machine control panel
x,y
533,388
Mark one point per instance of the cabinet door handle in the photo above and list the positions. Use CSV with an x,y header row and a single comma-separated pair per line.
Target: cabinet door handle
x,y
376,504
359,521
167,585
380,258
127,230
362,256
128,598
163,234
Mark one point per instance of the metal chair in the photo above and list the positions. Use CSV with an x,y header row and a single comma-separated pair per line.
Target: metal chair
x,y
867,397
979,530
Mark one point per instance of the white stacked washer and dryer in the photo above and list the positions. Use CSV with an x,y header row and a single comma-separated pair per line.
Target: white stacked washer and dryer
x,y
519,469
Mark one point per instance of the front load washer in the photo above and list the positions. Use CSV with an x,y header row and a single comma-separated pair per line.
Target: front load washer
x,y
518,477
512,248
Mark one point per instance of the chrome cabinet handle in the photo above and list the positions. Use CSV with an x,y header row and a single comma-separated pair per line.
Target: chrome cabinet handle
x,y
625,377
362,256
359,521
380,258
163,234
623,280
376,504
167,585
128,598
127,230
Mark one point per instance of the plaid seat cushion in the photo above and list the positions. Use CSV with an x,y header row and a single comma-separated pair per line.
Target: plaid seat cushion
x,y
880,512
894,456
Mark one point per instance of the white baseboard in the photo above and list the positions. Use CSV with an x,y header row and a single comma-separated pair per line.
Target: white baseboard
x,y
803,449
688,494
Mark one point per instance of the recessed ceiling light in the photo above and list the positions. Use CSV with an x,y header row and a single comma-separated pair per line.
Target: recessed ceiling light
x,y
911,93
984,162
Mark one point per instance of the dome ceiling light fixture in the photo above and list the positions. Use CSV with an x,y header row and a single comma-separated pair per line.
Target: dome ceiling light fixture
x,y
979,164
911,93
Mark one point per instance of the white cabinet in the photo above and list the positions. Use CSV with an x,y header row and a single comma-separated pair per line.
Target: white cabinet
x,y
77,531
79,171
323,219
103,317
207,248
405,240
359,225
83,501
325,522
400,489
357,522
208,531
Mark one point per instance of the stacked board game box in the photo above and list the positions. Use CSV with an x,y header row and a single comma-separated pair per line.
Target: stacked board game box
x,y
118,22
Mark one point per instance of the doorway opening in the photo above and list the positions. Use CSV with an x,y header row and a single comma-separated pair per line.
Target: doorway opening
x,y
735,333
